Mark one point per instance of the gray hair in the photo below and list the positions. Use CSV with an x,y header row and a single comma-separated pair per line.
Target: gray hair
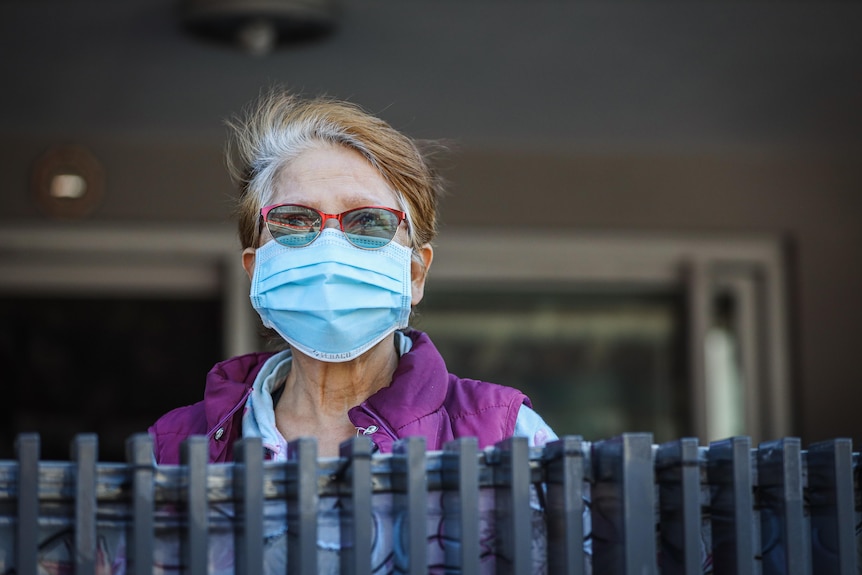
x,y
280,126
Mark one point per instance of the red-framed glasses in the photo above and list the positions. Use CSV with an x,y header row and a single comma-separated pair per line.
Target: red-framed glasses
x,y
368,227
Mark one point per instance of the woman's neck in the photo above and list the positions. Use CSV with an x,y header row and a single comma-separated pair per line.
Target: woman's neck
x,y
317,395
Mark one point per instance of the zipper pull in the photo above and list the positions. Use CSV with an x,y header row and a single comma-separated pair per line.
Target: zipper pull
x,y
366,430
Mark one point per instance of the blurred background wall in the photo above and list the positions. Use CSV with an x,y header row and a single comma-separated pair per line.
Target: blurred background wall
x,y
646,117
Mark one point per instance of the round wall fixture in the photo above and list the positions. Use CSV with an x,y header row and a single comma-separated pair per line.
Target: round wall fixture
x,y
67,182
257,26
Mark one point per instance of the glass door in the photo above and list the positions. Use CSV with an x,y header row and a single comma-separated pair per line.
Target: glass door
x,y
677,335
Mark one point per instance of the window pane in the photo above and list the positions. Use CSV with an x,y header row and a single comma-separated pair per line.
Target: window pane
x,y
594,364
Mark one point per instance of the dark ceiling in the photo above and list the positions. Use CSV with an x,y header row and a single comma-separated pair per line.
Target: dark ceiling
x,y
598,76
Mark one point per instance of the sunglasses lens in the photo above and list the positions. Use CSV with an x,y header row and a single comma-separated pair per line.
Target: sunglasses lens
x,y
370,228
293,226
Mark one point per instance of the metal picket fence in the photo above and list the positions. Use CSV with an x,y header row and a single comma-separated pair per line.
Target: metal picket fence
x,y
618,506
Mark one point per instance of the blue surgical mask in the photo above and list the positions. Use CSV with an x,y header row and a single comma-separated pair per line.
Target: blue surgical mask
x,y
331,300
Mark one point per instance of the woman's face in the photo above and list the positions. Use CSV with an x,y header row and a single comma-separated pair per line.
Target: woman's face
x,y
334,179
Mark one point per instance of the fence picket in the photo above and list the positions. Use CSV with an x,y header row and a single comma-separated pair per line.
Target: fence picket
x,y
729,472
678,475
194,456
564,463
623,506
356,509
411,493
784,540
832,502
302,508
460,481
248,497
512,506
139,453
27,448
84,453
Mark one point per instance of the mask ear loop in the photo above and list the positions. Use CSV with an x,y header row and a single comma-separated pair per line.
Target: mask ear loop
x,y
404,207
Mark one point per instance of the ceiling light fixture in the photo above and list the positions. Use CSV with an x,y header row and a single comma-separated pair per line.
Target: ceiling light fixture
x,y
67,182
258,26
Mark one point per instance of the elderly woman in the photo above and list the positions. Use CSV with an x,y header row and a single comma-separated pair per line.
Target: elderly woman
x,y
337,212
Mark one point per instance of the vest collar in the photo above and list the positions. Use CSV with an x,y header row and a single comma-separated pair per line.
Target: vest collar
x,y
228,385
419,386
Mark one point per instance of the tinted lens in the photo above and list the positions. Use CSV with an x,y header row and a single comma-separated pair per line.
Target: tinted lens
x,y
293,226
369,228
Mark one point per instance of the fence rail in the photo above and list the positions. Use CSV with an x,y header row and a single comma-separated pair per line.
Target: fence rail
x,y
618,506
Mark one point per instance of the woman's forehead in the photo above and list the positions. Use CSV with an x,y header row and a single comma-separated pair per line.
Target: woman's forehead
x,y
332,173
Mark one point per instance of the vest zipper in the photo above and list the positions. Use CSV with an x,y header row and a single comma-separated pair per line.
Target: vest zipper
x,y
381,424
229,414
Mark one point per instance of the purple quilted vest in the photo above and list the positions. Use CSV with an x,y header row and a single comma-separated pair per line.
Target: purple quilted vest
x,y
424,399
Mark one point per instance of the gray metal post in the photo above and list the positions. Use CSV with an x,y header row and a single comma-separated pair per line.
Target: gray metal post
x,y
248,498
639,504
785,540
832,503
302,508
624,506
410,482
729,474
512,503
461,521
194,455
85,454
356,511
678,475
139,453
564,465
27,449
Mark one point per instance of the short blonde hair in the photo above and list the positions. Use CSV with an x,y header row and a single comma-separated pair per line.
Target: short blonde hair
x,y
279,126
